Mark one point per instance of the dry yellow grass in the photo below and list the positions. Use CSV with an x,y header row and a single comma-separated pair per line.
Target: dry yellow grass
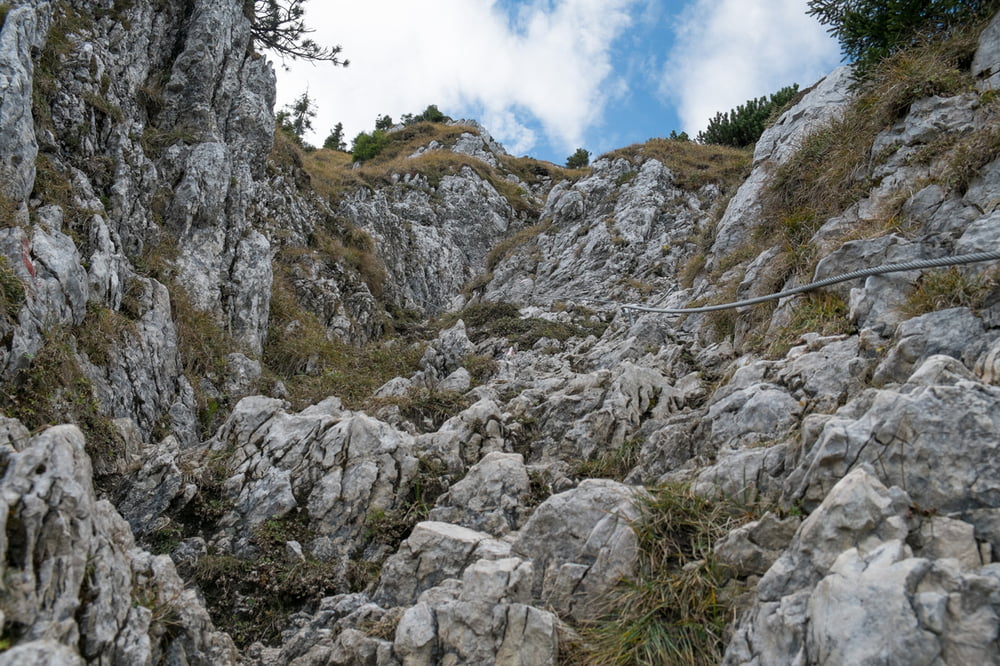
x,y
333,173
692,164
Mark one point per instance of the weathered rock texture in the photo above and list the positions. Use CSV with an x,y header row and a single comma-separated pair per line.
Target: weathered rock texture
x,y
481,507
77,586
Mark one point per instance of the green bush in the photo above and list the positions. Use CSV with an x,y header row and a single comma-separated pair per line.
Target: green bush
x,y
430,115
366,146
579,159
871,30
742,126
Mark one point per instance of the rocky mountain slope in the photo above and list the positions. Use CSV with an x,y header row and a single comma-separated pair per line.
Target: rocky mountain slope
x,y
265,406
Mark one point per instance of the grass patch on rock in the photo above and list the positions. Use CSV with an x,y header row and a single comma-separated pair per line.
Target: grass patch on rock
x,y
488,319
952,288
390,528
52,389
427,408
693,165
831,169
252,598
614,464
675,609
313,365
825,313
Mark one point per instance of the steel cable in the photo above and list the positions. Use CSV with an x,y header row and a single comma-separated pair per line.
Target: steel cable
x,y
853,275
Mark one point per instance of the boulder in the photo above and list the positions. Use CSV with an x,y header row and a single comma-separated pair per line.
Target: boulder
x,y
581,544
491,498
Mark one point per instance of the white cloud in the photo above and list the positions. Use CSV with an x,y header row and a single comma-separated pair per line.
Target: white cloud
x,y
728,51
550,66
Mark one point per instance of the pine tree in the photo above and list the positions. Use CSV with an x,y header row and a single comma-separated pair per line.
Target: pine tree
x,y
871,30
335,141
276,25
579,159
742,126
297,116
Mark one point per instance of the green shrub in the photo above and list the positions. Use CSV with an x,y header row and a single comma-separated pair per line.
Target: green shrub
x,y
742,126
429,115
367,146
579,159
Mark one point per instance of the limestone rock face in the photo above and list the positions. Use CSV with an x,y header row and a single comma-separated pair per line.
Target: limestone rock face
x,y
850,589
481,508
581,544
434,236
482,619
600,231
79,590
25,28
490,498
915,431
986,65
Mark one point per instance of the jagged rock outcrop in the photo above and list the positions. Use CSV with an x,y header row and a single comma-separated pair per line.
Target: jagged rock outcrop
x,y
851,588
434,233
77,587
451,517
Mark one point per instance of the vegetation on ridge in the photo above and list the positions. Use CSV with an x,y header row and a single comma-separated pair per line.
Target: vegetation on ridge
x,y
742,126
693,165
869,31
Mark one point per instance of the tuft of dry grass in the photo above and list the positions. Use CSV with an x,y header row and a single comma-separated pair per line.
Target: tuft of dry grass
x,y
971,153
614,464
952,288
825,313
674,609
11,291
692,164
100,330
691,269
508,245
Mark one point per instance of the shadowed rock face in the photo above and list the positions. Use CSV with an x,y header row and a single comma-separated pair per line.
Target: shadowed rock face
x,y
75,577
482,507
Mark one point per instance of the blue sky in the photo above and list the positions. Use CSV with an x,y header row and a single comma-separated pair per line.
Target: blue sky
x,y
548,76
